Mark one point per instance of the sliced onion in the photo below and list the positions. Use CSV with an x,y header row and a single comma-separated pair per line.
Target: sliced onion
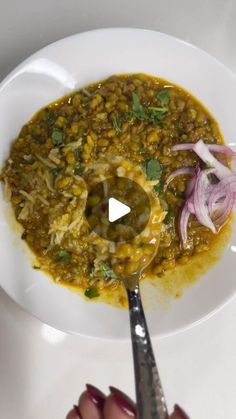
x,y
223,210
217,148
190,186
182,147
191,206
222,149
183,224
178,172
207,157
220,189
200,207
211,200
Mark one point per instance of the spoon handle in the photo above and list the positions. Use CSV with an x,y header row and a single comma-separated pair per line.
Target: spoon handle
x,y
149,394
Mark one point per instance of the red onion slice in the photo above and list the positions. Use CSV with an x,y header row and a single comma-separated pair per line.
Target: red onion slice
x,y
207,157
182,147
200,207
190,186
222,149
178,172
217,148
183,224
209,201
191,206
220,189
224,210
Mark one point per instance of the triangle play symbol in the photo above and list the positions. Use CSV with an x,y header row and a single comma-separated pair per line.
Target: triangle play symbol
x,y
116,209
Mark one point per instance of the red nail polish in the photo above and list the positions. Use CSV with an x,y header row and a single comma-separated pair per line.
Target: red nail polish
x,y
123,401
97,397
179,411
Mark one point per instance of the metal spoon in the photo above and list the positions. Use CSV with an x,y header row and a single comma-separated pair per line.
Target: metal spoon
x,y
149,393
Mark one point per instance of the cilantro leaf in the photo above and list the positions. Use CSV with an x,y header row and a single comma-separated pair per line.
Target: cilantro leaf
x,y
77,154
107,272
78,170
56,172
63,256
164,96
150,114
141,244
169,216
116,125
137,107
50,115
91,292
152,169
159,187
143,151
156,114
57,136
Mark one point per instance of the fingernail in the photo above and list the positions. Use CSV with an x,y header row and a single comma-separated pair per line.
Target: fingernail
x,y
123,401
96,396
180,412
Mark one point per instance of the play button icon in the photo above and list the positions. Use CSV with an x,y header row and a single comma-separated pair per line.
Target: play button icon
x,y
116,209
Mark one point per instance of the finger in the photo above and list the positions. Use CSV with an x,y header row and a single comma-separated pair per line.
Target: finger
x,y
119,406
74,413
179,413
91,403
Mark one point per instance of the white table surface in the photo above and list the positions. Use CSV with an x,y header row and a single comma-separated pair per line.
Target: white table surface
x,y
42,371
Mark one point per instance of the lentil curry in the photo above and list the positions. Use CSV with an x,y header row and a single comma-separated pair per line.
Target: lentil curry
x,y
135,120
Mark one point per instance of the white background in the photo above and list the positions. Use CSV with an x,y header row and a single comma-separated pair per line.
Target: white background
x,y
42,371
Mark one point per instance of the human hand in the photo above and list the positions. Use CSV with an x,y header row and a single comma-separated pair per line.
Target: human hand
x,y
93,404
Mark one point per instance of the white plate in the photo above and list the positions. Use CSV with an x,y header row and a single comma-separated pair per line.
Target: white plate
x,y
67,65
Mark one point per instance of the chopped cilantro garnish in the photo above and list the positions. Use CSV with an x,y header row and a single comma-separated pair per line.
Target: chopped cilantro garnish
x,y
159,187
36,267
63,256
137,107
141,244
50,115
91,292
57,136
56,172
116,125
78,169
129,116
156,114
149,114
142,151
164,97
169,216
107,272
152,169
78,154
